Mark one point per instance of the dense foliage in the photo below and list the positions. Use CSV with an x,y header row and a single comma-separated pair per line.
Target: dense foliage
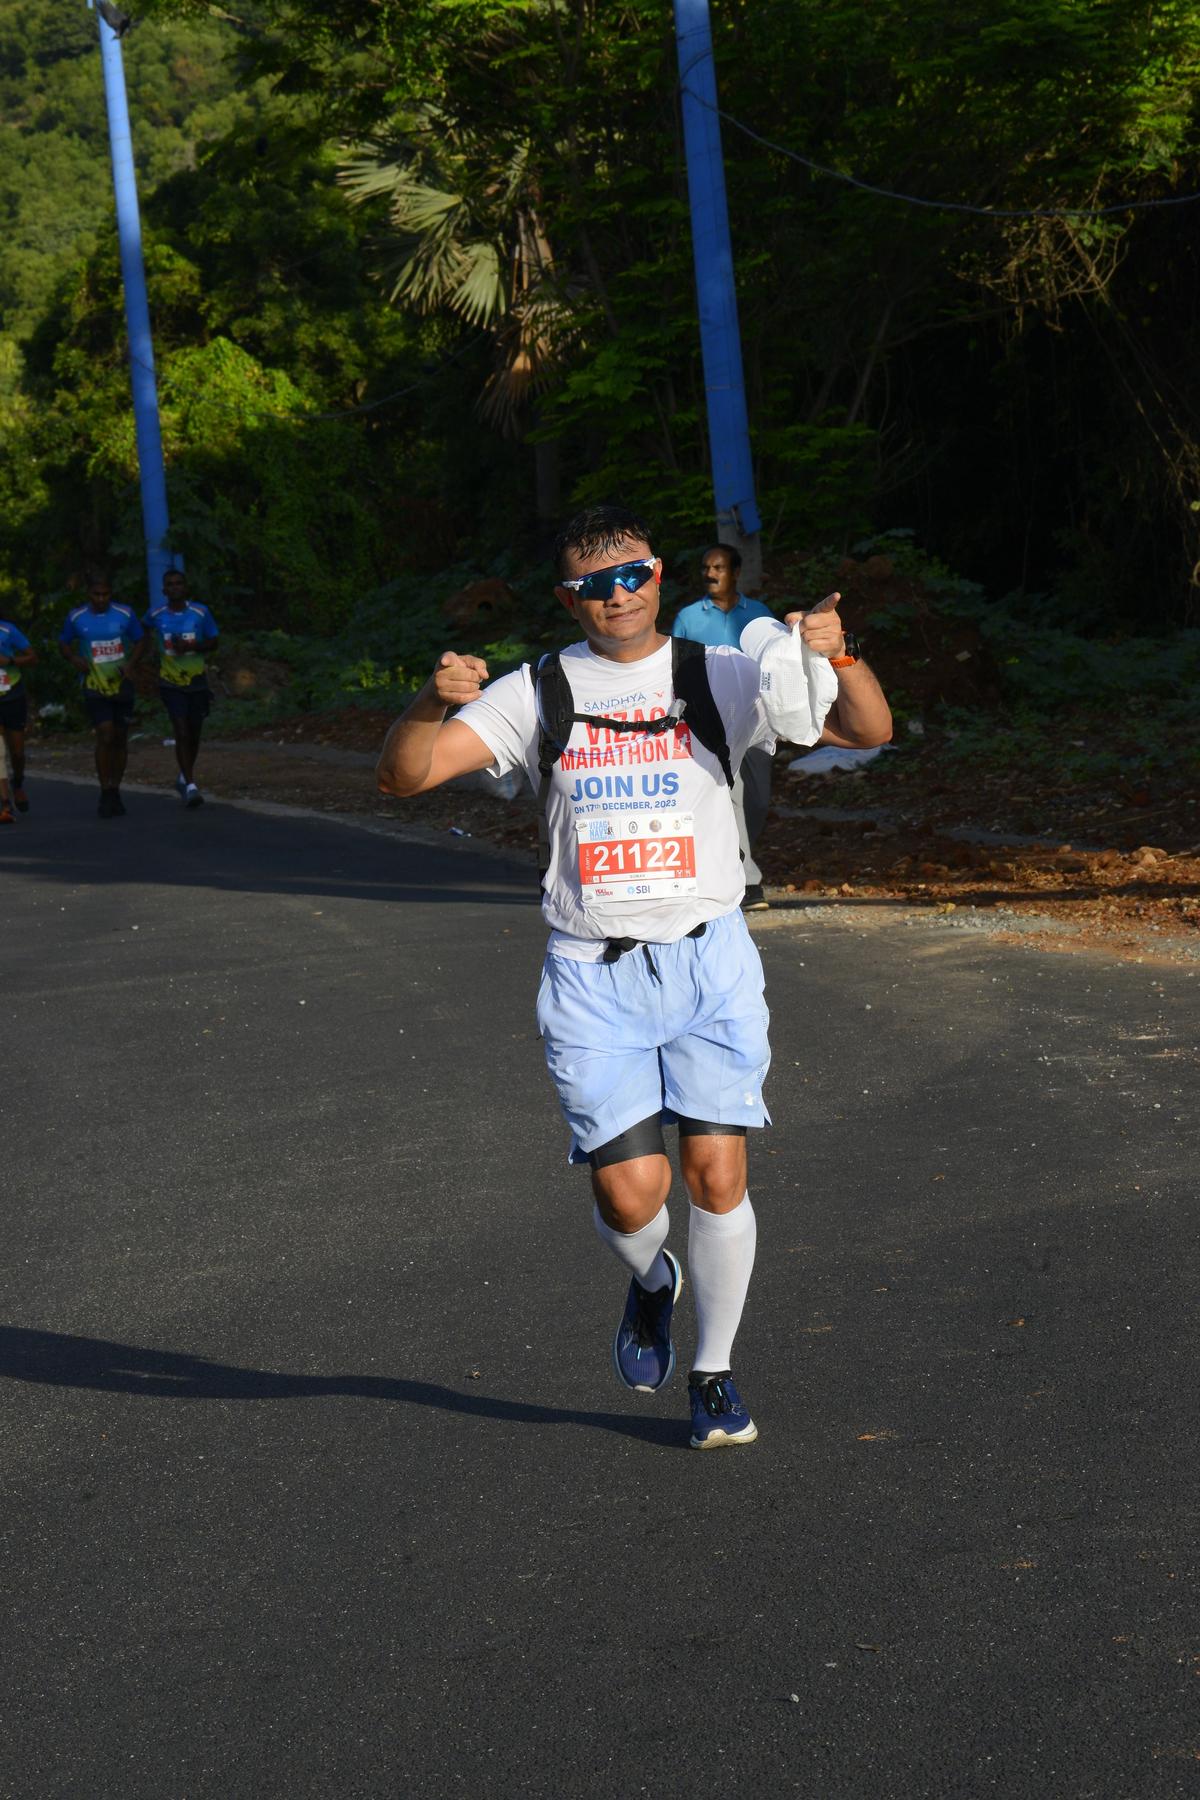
x,y
479,206
55,191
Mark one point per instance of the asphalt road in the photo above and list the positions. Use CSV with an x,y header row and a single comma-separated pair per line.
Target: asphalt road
x,y
315,1477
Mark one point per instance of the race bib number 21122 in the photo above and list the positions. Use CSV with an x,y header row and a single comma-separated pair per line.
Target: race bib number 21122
x,y
627,856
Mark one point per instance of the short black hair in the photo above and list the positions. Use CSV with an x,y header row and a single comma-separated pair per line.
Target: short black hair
x,y
735,556
597,528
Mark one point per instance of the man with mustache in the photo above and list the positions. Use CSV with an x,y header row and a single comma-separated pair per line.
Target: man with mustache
x,y
719,617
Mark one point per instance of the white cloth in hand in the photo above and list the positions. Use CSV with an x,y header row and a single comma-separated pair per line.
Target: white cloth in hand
x,y
797,687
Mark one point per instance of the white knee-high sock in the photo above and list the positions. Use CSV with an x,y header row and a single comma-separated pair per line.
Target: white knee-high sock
x,y
720,1259
640,1251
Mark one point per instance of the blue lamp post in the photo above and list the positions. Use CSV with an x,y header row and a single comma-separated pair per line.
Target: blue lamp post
x,y
155,520
720,340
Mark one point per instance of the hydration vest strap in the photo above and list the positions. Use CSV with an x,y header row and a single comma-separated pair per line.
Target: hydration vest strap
x,y
689,677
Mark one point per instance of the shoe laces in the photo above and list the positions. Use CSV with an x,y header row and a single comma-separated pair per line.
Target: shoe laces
x,y
648,1318
715,1395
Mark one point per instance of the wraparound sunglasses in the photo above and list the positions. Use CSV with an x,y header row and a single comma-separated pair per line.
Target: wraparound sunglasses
x,y
601,583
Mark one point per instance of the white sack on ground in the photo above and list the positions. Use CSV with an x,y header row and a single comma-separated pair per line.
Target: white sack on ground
x,y
829,759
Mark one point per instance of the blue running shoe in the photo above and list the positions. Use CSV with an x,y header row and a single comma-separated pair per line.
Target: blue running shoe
x,y
181,784
718,1415
643,1354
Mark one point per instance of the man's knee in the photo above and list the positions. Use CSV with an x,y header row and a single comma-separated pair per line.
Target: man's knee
x,y
631,1176
714,1166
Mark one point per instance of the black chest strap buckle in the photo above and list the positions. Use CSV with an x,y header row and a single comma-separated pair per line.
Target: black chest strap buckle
x,y
616,948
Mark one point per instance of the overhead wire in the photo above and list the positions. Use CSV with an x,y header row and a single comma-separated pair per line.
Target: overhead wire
x,y
952,206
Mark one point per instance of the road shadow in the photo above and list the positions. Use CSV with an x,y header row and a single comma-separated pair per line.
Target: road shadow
x,y
225,849
54,1359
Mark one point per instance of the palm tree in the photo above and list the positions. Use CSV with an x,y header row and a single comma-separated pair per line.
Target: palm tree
x,y
465,235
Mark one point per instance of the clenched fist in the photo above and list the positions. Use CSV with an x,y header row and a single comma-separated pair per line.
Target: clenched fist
x,y
458,679
820,627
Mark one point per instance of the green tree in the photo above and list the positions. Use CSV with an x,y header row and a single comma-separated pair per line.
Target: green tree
x,y
55,187
1008,386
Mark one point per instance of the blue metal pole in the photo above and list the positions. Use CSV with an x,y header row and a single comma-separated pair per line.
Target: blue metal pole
x,y
155,521
720,339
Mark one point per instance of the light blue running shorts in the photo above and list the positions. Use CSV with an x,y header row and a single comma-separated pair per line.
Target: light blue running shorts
x,y
680,1028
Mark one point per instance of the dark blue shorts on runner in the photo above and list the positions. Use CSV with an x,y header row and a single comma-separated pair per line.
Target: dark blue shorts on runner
x,y
14,710
191,704
110,709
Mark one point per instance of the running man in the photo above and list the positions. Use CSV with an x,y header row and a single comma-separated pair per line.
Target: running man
x,y
16,653
100,640
7,816
651,999
184,632
720,617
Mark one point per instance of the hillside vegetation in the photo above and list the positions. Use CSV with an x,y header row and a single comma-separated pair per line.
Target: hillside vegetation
x,y
421,276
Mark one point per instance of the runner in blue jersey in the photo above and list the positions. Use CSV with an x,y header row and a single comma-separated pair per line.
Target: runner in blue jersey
x,y
184,632
16,653
720,617
100,640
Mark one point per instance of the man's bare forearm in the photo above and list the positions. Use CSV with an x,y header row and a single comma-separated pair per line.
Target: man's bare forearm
x,y
861,713
860,716
411,748
407,755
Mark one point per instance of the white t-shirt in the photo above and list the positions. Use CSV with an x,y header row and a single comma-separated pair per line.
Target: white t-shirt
x,y
643,840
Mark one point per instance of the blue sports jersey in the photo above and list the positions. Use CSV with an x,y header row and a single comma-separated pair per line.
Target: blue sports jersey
x,y
105,639
705,623
12,643
181,633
